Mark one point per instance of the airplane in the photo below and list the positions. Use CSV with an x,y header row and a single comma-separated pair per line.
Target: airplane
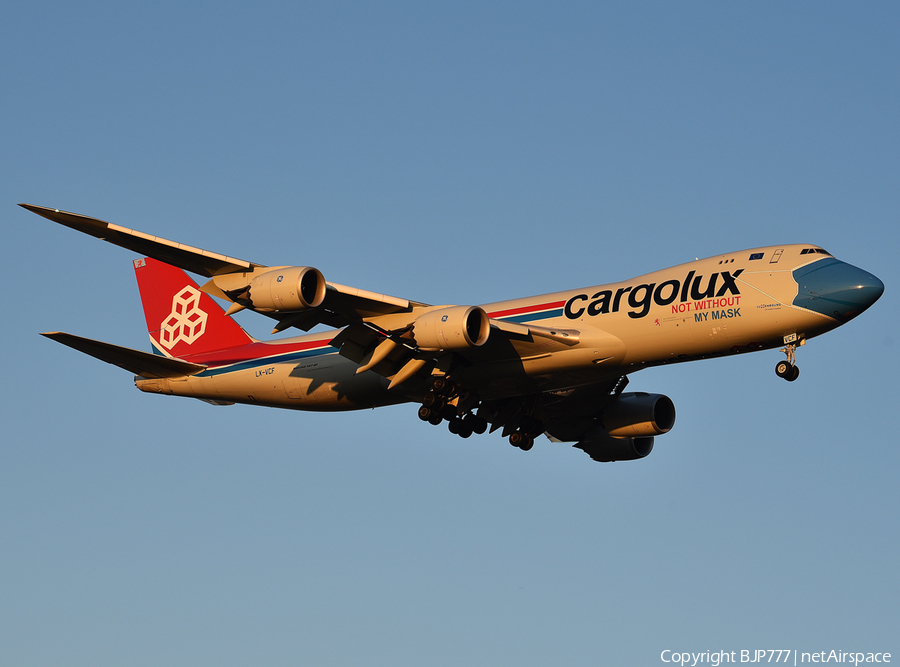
x,y
555,364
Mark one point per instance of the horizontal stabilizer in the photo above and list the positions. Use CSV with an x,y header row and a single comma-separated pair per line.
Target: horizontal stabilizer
x,y
140,363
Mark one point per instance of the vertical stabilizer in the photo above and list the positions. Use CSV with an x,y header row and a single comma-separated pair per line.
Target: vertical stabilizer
x,y
181,319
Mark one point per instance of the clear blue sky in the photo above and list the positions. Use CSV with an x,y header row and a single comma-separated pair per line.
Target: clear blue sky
x,y
449,153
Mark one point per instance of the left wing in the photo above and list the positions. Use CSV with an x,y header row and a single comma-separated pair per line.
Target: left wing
x,y
185,257
231,277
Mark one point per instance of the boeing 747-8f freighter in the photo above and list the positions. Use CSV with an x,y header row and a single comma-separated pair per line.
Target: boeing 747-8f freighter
x,y
555,364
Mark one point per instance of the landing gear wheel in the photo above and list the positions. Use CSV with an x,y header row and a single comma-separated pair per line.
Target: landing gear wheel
x,y
517,438
477,424
432,400
458,426
521,440
435,419
425,414
787,369
783,369
442,386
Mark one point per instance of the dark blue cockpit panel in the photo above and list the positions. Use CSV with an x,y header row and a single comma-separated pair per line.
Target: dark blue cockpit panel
x,y
836,289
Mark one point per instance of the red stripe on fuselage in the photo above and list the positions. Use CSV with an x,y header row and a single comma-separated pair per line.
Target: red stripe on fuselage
x,y
526,309
257,350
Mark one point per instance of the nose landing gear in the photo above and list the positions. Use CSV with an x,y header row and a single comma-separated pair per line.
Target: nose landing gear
x,y
787,369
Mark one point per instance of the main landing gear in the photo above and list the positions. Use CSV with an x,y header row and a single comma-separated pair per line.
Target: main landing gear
x,y
786,369
435,409
438,405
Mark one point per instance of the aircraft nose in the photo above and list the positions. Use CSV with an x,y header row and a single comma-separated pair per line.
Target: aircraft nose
x,y
836,289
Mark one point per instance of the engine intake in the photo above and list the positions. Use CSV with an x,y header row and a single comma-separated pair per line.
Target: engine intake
x,y
287,290
452,328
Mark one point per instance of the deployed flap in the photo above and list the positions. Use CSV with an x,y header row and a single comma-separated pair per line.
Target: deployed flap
x,y
140,363
202,262
363,303
568,337
345,305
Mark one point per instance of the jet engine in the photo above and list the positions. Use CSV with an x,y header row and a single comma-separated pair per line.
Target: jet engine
x,y
452,328
287,290
636,415
627,427
602,447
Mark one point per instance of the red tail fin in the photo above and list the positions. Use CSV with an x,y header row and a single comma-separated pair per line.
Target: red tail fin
x,y
181,319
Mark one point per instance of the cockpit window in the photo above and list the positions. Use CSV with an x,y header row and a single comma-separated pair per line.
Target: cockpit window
x,y
807,251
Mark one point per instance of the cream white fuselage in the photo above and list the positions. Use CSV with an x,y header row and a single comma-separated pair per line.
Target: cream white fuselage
x,y
734,303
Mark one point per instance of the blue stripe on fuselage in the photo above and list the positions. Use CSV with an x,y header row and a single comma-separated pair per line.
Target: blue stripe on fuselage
x,y
533,317
266,361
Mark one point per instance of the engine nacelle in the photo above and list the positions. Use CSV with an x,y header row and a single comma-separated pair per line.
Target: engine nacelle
x,y
602,447
637,415
452,328
287,290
